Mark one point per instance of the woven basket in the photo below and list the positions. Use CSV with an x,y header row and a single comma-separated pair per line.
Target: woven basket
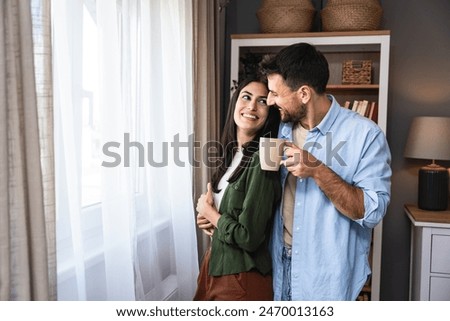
x,y
286,3
356,72
285,19
341,2
351,17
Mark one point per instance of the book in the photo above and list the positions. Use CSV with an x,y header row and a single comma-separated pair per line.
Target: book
x,y
367,110
373,115
362,107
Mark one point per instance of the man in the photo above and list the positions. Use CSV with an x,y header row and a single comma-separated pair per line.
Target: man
x,y
336,183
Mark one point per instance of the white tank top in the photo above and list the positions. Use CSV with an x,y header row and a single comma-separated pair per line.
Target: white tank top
x,y
223,183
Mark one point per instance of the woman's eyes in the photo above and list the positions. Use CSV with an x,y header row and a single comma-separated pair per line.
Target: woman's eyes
x,y
261,101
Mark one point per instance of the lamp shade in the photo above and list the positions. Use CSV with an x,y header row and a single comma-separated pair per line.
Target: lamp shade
x,y
429,138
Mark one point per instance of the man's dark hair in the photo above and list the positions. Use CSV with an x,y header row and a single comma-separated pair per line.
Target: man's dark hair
x,y
299,64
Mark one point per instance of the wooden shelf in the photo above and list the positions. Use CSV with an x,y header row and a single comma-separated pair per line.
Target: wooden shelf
x,y
312,34
353,87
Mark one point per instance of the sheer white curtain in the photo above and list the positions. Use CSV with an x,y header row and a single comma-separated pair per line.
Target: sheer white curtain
x,y
123,117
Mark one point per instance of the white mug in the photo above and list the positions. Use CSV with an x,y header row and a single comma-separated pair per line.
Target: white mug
x,y
271,153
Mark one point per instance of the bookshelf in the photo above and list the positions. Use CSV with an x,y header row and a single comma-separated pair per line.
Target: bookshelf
x,y
337,47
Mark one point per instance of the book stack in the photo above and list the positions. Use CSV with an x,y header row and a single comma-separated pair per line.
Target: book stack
x,y
364,108
364,295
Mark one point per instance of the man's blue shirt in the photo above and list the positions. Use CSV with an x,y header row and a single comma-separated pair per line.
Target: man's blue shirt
x,y
330,252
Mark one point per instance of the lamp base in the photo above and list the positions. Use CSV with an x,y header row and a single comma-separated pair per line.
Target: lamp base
x,y
433,188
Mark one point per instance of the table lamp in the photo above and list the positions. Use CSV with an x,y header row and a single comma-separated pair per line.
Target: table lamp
x,y
429,138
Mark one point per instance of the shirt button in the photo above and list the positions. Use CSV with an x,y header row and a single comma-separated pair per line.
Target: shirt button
x,y
296,275
298,203
297,228
296,252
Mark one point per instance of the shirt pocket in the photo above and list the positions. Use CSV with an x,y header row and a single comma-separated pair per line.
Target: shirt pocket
x,y
236,197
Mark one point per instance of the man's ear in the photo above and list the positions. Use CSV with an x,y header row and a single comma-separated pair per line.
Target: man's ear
x,y
304,94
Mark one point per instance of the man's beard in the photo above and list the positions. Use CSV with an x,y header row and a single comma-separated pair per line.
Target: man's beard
x,y
298,115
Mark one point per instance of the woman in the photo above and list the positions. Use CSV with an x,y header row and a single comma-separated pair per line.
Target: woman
x,y
237,209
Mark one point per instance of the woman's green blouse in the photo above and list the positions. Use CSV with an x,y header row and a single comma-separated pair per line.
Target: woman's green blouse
x,y
240,241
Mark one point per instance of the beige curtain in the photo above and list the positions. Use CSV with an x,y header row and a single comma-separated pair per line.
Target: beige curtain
x,y
24,251
41,17
207,58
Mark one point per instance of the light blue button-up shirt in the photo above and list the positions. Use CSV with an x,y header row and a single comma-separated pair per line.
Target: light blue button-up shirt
x,y
329,250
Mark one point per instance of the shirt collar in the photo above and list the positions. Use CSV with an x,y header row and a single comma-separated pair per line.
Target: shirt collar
x,y
323,127
326,123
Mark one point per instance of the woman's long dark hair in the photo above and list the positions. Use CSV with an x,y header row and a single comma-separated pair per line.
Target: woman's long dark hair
x,y
229,143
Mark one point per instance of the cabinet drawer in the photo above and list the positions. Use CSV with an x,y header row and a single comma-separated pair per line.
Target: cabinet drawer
x,y
439,289
440,253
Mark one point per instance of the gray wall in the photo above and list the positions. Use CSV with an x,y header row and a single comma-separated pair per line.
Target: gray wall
x,y
419,85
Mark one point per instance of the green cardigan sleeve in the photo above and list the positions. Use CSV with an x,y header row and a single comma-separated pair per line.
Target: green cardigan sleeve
x,y
247,207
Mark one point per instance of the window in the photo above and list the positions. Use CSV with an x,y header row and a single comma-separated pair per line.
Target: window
x,y
124,232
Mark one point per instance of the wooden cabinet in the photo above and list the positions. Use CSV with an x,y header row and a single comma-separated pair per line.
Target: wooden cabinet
x,y
337,47
430,254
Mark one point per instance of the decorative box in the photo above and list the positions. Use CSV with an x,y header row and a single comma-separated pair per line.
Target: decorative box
x,y
356,72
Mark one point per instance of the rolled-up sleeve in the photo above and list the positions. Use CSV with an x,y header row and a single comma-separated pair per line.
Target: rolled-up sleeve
x,y
373,176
